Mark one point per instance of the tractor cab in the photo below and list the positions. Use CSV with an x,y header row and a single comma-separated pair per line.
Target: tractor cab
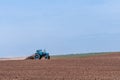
x,y
39,52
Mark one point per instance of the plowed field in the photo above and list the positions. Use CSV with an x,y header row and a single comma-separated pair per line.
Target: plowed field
x,y
102,67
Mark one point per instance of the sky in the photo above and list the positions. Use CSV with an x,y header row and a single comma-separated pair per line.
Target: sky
x,y
59,26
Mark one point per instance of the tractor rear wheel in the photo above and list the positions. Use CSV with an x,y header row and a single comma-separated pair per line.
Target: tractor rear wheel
x,y
37,56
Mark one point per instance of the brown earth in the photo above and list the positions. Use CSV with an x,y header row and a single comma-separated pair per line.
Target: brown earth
x,y
102,67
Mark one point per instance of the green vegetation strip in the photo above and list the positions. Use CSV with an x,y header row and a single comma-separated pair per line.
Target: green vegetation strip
x,y
80,55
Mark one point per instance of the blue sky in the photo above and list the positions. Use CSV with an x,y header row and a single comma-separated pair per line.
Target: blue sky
x,y
60,26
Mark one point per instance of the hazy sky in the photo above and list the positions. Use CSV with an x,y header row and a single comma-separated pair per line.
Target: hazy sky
x,y
60,26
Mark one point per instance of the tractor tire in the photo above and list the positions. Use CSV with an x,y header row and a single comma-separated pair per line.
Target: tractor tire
x,y
48,57
37,56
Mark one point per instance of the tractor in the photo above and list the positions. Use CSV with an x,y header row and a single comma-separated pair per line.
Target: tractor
x,y
39,54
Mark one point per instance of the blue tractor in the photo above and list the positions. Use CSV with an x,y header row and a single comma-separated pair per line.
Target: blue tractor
x,y
39,54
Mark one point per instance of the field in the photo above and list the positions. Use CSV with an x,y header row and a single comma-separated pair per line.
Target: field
x,y
95,67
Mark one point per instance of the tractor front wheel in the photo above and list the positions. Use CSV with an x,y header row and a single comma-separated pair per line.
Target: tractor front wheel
x,y
48,57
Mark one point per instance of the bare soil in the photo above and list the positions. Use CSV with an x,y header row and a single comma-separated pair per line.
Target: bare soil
x,y
102,67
